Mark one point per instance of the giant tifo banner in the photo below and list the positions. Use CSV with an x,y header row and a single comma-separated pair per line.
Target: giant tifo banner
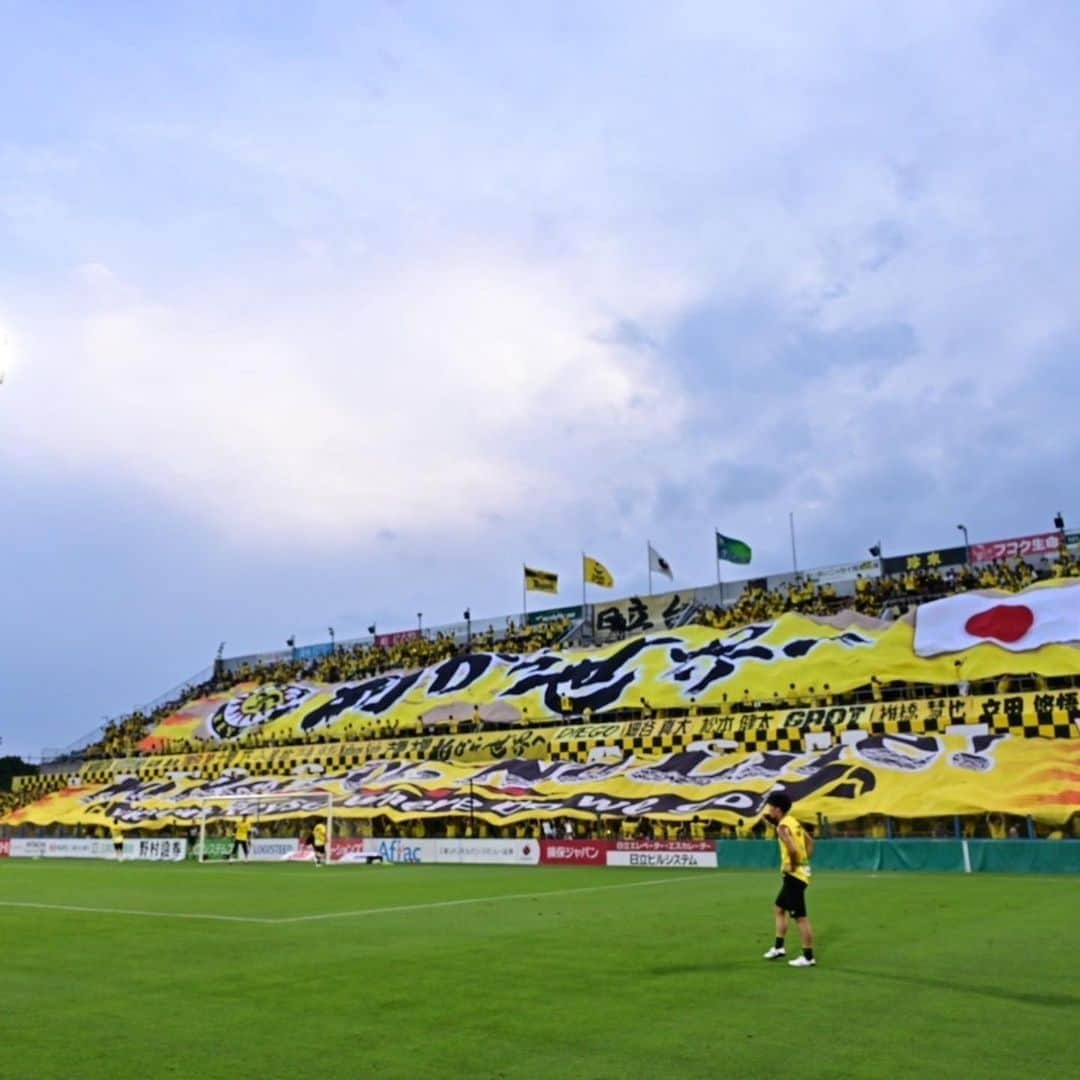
x,y
669,668
1048,715
900,775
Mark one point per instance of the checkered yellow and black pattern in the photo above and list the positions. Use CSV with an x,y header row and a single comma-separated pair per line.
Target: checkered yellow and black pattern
x,y
792,740
1045,716
1029,727
651,745
913,725
788,740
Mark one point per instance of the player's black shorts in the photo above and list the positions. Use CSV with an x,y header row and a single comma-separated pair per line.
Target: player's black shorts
x,y
320,849
792,897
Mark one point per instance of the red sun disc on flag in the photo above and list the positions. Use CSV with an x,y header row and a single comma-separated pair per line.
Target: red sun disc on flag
x,y
1003,622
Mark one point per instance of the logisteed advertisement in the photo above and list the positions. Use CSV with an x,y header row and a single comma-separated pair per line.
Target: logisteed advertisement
x,y
273,849
675,854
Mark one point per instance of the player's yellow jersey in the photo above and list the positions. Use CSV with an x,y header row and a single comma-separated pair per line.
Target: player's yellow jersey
x,y
117,835
320,835
798,838
243,831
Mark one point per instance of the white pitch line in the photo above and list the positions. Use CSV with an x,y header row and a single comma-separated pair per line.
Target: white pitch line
x,y
131,911
431,905
487,899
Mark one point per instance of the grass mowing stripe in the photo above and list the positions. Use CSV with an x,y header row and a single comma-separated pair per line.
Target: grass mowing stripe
x,y
920,975
355,913
131,911
487,899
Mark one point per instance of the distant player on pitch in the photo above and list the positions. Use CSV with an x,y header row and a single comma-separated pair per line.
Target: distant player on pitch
x,y
318,843
117,842
241,839
796,847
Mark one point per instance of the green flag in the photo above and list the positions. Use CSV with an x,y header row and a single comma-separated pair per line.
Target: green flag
x,y
731,550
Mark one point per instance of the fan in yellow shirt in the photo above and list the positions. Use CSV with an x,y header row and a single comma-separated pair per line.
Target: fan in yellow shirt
x,y
318,843
796,847
241,838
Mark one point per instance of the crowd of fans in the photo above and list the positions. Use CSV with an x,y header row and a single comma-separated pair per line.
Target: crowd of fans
x,y
993,826
759,605
890,596
120,738
886,596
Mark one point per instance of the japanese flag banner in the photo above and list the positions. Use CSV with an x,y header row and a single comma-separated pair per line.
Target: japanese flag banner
x,y
1018,622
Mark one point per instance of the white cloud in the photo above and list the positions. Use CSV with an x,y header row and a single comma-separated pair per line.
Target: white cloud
x,y
424,395
376,294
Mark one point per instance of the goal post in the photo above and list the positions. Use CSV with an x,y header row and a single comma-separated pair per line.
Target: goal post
x,y
229,809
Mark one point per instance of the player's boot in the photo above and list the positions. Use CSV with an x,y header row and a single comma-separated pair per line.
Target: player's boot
x,y
801,961
774,953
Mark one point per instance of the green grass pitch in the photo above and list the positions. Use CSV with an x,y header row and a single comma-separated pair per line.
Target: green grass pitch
x,y
442,971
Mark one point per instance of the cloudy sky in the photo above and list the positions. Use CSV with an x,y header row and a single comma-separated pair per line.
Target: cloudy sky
x,y
324,313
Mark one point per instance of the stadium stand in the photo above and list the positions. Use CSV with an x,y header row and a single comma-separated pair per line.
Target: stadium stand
x,y
120,737
754,721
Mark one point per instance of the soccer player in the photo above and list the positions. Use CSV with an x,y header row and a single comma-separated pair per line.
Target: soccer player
x,y
796,846
318,843
117,841
241,838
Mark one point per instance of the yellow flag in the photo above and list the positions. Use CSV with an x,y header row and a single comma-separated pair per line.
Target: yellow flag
x,y
596,573
541,581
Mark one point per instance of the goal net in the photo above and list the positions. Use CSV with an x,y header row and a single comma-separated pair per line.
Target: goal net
x,y
225,819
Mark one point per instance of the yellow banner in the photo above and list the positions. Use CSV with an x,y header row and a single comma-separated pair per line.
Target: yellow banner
x,y
596,573
904,776
1030,715
670,668
541,581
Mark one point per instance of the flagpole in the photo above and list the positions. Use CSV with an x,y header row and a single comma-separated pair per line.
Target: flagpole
x,y
583,583
648,559
719,576
794,558
524,596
